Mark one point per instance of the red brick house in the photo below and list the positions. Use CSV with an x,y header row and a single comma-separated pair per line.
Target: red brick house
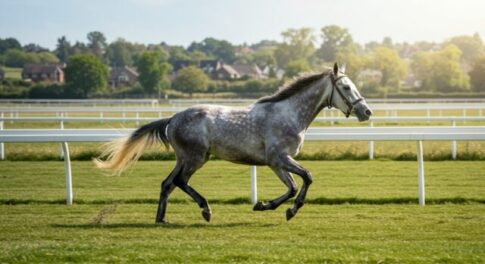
x,y
43,73
122,76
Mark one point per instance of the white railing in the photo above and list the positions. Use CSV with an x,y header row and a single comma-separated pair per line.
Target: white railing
x,y
79,102
453,120
417,134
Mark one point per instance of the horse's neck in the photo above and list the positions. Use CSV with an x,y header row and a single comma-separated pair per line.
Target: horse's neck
x,y
310,102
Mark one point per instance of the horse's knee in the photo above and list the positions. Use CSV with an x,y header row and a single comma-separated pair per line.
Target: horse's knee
x,y
307,178
165,186
293,190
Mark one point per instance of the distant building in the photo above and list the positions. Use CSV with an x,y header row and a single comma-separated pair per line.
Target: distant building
x,y
248,71
180,64
2,74
226,72
122,76
43,73
210,66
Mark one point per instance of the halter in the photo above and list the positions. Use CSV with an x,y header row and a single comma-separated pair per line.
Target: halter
x,y
349,104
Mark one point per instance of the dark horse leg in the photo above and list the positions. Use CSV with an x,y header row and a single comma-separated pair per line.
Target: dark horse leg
x,y
288,180
292,166
166,188
181,181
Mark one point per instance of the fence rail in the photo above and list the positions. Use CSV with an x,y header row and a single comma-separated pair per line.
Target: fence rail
x,y
418,134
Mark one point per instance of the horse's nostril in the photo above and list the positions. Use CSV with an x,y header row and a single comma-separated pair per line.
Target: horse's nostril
x,y
368,112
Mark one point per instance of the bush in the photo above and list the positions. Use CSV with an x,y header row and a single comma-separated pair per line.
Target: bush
x,y
47,91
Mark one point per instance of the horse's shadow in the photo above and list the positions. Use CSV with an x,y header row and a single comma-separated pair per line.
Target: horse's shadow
x,y
165,225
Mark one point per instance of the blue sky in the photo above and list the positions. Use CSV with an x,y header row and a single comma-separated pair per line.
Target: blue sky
x,y
181,22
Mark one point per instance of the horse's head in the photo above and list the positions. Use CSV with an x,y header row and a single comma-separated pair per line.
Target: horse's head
x,y
346,97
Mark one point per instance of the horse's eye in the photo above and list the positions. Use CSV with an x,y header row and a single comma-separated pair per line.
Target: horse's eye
x,y
346,87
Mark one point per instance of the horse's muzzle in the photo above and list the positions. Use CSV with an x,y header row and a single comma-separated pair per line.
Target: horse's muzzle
x,y
363,112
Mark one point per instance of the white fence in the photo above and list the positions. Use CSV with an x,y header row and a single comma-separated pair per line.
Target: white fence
x,y
417,134
79,102
451,119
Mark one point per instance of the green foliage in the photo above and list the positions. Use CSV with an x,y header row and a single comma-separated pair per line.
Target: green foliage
x,y
18,58
191,79
440,70
297,44
9,43
86,75
47,91
119,54
220,49
335,39
471,48
293,68
63,49
390,64
97,43
477,75
151,71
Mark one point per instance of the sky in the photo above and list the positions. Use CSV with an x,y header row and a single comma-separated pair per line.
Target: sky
x,y
179,22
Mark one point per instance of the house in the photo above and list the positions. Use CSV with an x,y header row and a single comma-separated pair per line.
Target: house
x,y
248,71
43,73
210,66
2,74
122,76
225,72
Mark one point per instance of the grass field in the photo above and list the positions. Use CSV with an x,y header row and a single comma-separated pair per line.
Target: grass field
x,y
112,218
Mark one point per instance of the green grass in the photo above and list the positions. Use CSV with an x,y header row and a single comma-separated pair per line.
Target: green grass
x,y
112,218
13,73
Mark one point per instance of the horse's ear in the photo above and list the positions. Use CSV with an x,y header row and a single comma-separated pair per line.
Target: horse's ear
x,y
335,69
343,67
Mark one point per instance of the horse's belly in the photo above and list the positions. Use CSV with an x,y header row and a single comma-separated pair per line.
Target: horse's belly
x,y
243,152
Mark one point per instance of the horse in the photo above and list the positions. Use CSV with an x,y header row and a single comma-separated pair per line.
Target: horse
x,y
268,132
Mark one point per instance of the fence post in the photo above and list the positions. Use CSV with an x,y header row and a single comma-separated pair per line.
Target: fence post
x,y
420,173
453,144
371,144
67,164
61,151
254,185
2,146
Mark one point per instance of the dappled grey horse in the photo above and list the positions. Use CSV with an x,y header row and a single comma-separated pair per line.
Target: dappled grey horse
x,y
269,132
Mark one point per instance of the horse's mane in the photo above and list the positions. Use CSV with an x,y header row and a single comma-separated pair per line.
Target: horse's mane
x,y
294,87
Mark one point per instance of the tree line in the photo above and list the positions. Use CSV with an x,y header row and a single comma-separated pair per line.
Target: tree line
x,y
454,65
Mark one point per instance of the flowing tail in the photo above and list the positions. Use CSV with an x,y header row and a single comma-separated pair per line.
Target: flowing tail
x,y
124,152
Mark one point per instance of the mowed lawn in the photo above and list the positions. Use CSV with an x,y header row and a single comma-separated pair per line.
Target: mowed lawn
x,y
113,219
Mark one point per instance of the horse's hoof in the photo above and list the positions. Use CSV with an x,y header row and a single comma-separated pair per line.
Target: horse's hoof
x,y
161,222
259,206
289,214
206,215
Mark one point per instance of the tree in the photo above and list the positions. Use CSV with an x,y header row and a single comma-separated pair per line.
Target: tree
x,y
191,79
355,63
119,53
220,49
86,75
440,70
9,43
297,44
47,57
471,47
293,68
390,64
477,76
97,43
18,58
335,39
151,71
63,49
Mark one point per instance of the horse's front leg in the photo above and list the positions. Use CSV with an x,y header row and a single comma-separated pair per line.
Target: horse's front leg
x,y
289,164
288,180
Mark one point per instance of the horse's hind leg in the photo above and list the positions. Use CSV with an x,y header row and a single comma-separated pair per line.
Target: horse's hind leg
x,y
288,180
165,190
181,181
